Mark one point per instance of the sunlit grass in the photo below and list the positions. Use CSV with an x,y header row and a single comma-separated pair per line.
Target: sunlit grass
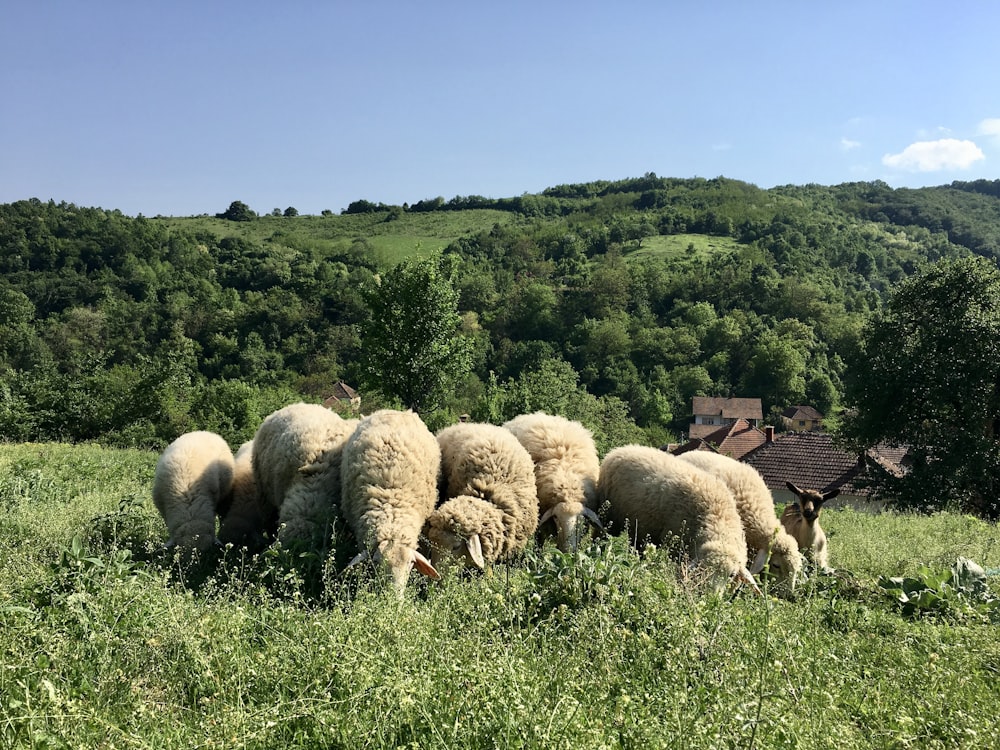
x,y
108,641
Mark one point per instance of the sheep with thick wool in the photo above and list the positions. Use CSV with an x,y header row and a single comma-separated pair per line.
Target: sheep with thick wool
x,y
391,464
801,520
296,461
767,541
192,480
566,472
247,522
491,507
656,496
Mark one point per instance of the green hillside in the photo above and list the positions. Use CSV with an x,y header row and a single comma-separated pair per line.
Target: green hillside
x,y
627,297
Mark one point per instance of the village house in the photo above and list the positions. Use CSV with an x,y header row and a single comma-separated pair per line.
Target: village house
x,y
734,440
810,460
799,418
711,413
343,397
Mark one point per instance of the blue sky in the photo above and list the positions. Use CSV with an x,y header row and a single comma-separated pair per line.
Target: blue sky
x,y
179,108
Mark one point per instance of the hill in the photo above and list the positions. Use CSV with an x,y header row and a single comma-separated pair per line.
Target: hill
x,y
639,293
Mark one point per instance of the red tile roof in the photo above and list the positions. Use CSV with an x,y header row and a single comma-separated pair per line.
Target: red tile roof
x,y
736,439
801,412
810,460
729,408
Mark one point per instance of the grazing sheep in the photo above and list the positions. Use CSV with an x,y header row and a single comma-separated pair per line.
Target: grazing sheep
x,y
656,495
391,465
765,535
801,520
296,466
193,476
566,472
492,508
247,522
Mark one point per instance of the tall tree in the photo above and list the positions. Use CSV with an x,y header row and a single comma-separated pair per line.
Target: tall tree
x,y
411,346
927,376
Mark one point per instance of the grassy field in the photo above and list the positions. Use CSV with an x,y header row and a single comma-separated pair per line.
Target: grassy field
x,y
107,642
678,246
391,240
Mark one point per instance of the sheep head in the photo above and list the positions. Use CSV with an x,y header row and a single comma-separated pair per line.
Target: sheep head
x,y
399,559
569,517
810,502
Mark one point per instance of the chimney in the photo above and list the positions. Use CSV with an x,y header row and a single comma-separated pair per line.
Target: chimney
x,y
768,433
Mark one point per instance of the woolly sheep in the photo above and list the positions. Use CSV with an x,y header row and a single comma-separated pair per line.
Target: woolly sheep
x,y
390,470
296,466
193,476
492,508
566,472
801,520
656,495
764,533
247,521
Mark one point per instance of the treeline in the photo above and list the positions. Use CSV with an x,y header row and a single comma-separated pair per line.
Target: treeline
x,y
132,330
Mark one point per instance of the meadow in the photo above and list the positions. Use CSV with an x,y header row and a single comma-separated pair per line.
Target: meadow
x,y
108,642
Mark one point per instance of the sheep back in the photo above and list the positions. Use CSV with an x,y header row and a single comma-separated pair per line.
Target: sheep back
x,y
755,504
296,466
247,522
390,469
657,496
192,477
566,469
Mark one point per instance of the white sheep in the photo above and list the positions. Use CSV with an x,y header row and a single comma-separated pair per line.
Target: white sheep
x,y
390,470
766,537
566,472
491,510
296,466
801,520
193,477
247,521
656,496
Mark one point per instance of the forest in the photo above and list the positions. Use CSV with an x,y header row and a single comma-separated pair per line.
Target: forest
x,y
614,302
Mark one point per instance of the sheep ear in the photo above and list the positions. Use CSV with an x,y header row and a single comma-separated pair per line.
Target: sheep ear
x,y
744,576
759,562
592,517
547,515
475,547
423,565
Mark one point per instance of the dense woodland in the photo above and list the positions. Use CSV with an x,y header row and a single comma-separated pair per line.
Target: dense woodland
x,y
613,301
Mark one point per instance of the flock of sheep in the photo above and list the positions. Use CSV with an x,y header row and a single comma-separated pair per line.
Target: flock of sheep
x,y
474,494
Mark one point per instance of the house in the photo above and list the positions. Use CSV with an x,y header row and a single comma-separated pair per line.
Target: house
x,y
797,418
343,396
810,460
711,413
735,440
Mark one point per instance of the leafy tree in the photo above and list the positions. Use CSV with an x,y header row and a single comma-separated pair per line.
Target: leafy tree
x,y
237,211
291,211
927,376
411,346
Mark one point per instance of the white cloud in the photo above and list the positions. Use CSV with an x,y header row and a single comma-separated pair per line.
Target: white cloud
x,y
989,127
846,144
934,156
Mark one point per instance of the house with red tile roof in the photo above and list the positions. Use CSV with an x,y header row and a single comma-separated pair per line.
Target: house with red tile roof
x,y
810,460
342,395
711,413
735,440
801,417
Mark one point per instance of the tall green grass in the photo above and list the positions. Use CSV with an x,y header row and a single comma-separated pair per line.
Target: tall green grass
x,y
105,641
